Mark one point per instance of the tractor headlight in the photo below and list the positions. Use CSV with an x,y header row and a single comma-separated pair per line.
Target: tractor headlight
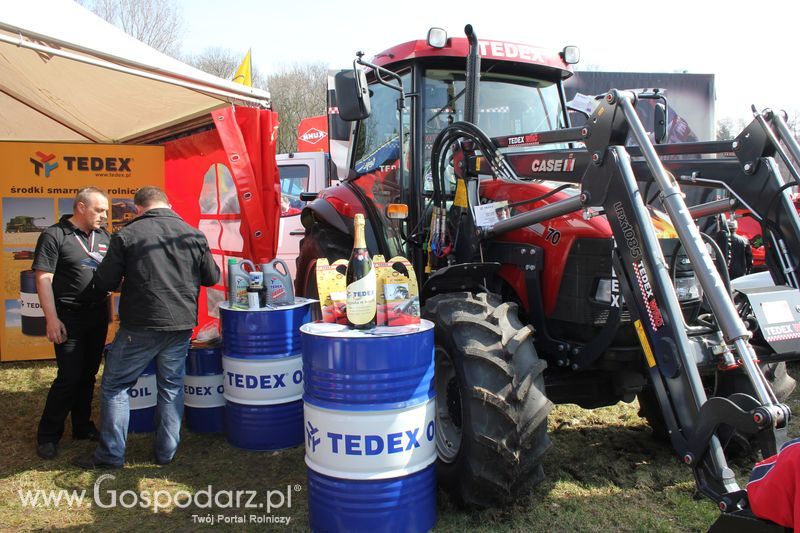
x,y
688,288
437,38
603,292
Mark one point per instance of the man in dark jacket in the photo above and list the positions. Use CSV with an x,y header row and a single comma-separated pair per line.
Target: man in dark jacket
x,y
161,261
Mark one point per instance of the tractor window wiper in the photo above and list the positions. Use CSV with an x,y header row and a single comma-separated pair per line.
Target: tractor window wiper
x,y
449,104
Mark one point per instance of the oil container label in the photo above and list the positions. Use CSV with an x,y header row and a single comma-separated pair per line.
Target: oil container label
x,y
371,444
263,382
144,394
204,391
29,305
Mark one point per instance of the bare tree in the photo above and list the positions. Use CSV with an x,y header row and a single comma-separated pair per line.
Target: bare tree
x,y
223,62
793,121
157,23
298,91
725,129
728,128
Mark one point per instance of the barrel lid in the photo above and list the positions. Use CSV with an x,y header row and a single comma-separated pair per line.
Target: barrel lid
x,y
299,302
326,329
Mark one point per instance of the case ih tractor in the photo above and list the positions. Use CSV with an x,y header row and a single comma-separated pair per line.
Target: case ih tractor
x,y
547,277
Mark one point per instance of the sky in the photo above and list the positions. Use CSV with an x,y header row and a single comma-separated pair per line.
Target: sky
x,y
750,47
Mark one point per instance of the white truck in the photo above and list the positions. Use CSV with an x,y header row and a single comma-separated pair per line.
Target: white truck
x,y
300,172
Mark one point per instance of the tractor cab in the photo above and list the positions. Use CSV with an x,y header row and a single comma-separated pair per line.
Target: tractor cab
x,y
520,90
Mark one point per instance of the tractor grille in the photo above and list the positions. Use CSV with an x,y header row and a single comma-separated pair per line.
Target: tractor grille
x,y
590,261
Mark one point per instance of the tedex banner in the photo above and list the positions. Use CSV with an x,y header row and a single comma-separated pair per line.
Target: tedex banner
x,y
38,185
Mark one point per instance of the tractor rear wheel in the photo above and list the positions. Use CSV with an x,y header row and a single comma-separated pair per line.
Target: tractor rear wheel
x,y
491,409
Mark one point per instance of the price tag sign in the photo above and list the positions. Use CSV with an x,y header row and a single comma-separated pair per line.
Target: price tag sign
x,y
489,214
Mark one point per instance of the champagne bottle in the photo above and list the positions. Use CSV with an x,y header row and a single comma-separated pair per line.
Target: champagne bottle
x,y
361,281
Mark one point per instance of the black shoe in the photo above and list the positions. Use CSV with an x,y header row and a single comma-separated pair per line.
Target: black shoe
x,y
47,450
160,462
90,463
92,435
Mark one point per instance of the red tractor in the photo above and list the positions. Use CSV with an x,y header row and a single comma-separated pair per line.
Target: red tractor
x,y
547,277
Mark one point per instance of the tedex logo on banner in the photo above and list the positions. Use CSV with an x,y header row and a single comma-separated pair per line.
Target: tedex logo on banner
x,y
313,136
80,163
98,164
43,163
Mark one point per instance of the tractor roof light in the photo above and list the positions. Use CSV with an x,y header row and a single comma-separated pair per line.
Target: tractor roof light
x,y
437,38
571,55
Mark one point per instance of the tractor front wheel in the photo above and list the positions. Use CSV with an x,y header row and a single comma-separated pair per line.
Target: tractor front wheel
x,y
491,409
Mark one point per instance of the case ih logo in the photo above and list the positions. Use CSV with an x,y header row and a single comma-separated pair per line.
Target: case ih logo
x,y
43,163
553,165
313,136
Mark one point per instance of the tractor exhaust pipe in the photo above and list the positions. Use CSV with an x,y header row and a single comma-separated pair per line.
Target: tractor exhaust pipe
x,y
473,75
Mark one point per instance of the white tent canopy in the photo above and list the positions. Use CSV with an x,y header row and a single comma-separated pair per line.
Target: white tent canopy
x,y
67,75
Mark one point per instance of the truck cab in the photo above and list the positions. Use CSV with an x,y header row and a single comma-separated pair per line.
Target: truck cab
x,y
300,172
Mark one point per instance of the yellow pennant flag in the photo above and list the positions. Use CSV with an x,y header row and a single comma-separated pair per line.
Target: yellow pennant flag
x,y
244,73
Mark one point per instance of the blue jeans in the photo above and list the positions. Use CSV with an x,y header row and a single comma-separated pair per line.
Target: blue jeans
x,y
131,352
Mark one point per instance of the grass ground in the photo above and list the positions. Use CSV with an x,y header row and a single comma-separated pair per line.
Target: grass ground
x,y
604,473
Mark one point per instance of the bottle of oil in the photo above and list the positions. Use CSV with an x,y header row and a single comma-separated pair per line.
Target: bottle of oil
x,y
361,281
278,283
238,282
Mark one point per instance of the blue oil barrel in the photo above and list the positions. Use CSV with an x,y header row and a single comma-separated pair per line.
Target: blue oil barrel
x,y
204,403
32,321
263,375
369,406
143,399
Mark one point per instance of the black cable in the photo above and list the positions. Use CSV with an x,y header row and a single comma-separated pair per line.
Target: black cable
x,y
771,228
726,278
542,197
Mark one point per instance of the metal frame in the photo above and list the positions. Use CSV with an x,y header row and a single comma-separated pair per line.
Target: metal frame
x,y
609,179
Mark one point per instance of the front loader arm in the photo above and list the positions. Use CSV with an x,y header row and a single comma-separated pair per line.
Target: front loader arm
x,y
609,180
751,176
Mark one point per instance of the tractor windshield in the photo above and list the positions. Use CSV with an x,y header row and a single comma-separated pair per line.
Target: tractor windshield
x,y
507,105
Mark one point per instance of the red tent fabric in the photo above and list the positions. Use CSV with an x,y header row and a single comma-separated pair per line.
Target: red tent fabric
x,y
225,182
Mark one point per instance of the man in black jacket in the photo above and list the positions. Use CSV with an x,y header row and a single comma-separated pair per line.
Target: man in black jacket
x,y
161,261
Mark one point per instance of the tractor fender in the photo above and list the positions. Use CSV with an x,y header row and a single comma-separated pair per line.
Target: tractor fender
x,y
322,210
459,278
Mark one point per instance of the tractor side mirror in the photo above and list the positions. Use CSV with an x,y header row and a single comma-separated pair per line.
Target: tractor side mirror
x,y
352,95
660,122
